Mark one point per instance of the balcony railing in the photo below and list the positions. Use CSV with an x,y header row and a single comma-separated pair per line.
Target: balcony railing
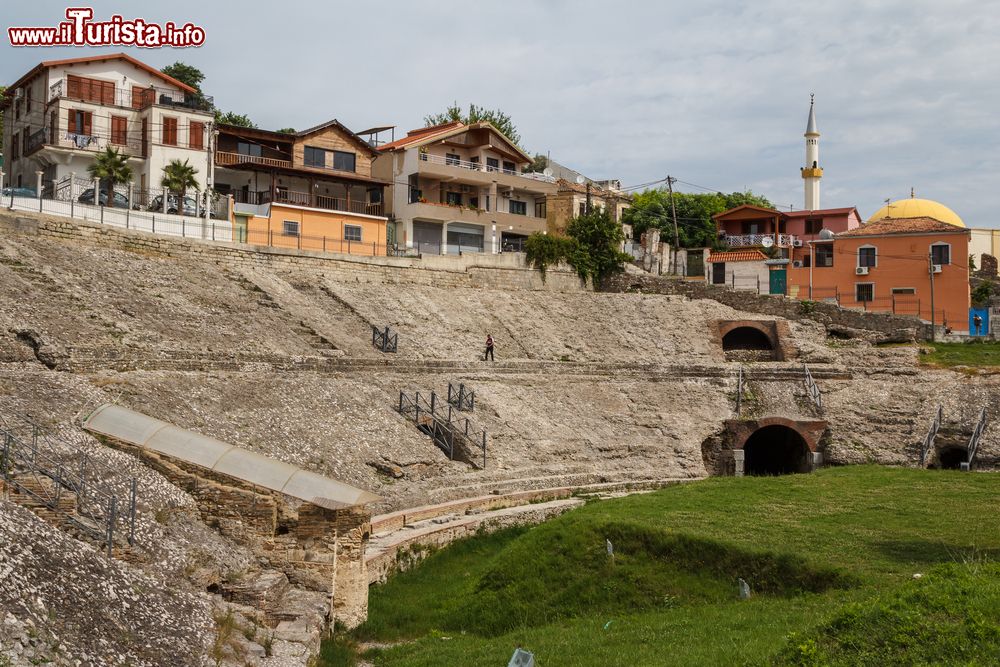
x,y
85,142
142,99
229,159
751,240
36,140
260,197
462,164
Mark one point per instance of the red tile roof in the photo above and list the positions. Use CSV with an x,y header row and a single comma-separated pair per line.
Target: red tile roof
x,y
107,56
421,134
752,255
903,226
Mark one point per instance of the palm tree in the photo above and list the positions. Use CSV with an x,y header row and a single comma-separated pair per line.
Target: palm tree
x,y
178,177
111,168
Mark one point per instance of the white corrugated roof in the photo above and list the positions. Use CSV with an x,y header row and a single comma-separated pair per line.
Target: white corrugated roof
x,y
164,438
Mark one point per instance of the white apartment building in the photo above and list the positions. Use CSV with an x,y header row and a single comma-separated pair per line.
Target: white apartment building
x,y
461,188
63,112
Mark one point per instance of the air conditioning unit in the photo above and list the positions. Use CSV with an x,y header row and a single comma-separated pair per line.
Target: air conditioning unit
x,y
797,264
936,268
861,271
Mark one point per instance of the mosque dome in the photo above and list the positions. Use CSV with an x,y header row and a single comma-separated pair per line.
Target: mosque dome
x,y
918,208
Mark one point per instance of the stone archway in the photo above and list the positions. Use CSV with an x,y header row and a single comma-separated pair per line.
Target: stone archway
x,y
776,450
752,340
951,458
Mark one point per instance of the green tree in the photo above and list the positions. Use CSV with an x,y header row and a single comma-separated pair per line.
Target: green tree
x,y
287,130
111,168
538,164
496,117
695,225
233,118
179,177
600,240
185,73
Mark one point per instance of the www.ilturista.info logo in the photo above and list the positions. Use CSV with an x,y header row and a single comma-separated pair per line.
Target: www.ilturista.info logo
x,y
79,30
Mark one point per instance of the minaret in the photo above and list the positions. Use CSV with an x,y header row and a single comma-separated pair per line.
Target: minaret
x,y
811,173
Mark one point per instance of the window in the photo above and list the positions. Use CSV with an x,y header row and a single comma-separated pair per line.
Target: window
x,y
80,122
941,254
170,131
474,202
290,228
492,164
904,290
90,90
866,256
539,209
15,147
375,195
752,228
806,261
343,161
583,208
142,97
864,292
453,198
314,157
119,130
352,232
813,225
196,132
246,148
518,207
824,254
452,159
17,110
509,167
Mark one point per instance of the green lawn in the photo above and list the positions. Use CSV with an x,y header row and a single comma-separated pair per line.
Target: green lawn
x,y
973,355
828,555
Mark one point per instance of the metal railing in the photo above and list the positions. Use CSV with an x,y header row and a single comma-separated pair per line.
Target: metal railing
x,y
750,240
928,443
475,165
139,99
44,466
812,389
977,435
457,436
224,159
461,398
384,340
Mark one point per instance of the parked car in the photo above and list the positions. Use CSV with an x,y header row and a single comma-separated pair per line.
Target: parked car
x,y
190,205
19,192
87,197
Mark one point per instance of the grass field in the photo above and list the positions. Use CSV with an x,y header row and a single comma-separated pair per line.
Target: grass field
x,y
972,355
830,557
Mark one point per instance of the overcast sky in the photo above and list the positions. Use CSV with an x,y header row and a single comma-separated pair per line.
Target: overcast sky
x,y
714,93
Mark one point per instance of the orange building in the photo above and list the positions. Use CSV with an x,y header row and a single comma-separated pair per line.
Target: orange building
x,y
894,264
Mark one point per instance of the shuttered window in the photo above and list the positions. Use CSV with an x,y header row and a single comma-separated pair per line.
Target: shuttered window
x,y
119,130
197,132
170,131
91,90
142,97
80,122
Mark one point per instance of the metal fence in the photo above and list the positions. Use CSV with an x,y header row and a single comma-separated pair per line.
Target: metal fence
x,y
47,467
928,443
384,339
456,435
812,389
461,398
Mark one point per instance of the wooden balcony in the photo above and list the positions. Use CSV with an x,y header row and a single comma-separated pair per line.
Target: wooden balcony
x,y
309,200
230,159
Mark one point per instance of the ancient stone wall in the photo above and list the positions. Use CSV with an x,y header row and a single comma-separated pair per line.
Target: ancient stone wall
x,y
506,271
779,306
316,548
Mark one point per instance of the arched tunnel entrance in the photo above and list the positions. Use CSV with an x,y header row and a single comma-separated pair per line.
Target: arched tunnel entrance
x,y
747,344
775,450
952,458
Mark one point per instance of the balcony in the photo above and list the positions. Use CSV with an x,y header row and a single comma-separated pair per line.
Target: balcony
x,y
260,197
448,168
521,224
83,142
233,159
753,240
142,99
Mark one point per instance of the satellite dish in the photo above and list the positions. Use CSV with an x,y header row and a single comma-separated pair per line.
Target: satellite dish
x,y
580,179
767,242
547,171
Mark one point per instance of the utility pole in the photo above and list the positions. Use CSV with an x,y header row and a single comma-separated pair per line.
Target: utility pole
x,y
930,268
209,177
673,210
588,197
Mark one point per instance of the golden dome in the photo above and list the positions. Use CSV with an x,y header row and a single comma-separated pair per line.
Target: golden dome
x,y
918,208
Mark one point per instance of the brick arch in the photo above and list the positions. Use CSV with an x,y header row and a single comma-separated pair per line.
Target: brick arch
x,y
810,432
776,331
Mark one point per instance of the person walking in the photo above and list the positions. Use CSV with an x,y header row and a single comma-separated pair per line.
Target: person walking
x,y
977,322
489,348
